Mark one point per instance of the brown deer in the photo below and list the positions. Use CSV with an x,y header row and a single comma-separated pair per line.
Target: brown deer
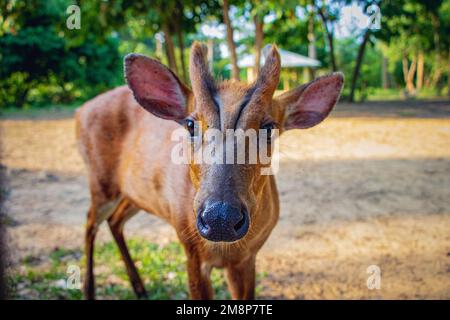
x,y
222,213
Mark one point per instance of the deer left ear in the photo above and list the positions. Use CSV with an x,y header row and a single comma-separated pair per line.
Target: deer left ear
x,y
309,104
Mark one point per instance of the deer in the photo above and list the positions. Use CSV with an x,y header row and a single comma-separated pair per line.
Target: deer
x,y
222,213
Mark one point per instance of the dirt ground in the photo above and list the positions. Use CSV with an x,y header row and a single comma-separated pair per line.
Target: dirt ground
x,y
369,186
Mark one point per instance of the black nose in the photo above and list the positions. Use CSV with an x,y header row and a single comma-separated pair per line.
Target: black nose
x,y
220,221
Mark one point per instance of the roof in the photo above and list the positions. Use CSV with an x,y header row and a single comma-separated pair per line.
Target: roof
x,y
288,59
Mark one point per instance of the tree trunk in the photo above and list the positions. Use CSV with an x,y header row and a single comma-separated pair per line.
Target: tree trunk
x,y
359,59
410,78
408,74
259,36
311,40
170,48
420,68
330,38
405,67
230,41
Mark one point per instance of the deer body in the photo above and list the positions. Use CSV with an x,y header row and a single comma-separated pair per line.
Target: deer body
x,y
222,214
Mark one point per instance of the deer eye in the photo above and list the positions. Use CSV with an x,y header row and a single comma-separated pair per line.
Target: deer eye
x,y
190,126
268,127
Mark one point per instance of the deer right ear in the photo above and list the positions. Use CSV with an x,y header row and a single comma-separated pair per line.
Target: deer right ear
x,y
156,88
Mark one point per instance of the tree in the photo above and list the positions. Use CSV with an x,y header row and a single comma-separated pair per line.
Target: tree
x,y
289,30
359,58
408,31
328,17
432,10
256,12
169,45
165,20
230,40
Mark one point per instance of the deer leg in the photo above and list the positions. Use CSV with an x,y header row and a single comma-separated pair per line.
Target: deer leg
x,y
91,231
123,212
241,280
200,287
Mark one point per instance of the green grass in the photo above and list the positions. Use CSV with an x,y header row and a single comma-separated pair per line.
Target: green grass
x,y
32,112
380,94
162,268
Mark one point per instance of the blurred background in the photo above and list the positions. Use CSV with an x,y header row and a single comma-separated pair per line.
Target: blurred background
x,y
386,49
369,186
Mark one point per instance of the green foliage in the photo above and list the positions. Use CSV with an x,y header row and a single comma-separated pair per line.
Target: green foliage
x,y
43,62
291,33
410,27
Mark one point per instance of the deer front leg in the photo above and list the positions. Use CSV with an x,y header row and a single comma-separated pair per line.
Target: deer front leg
x,y
241,279
198,276
91,231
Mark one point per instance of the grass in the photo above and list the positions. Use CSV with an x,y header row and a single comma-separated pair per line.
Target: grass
x,y
36,112
393,94
162,268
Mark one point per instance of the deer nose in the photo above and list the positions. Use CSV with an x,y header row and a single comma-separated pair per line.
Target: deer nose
x,y
220,221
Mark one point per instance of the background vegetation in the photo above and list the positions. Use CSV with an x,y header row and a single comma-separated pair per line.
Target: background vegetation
x,y
42,62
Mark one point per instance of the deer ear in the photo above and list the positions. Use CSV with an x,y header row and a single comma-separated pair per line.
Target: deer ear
x,y
269,76
156,88
309,104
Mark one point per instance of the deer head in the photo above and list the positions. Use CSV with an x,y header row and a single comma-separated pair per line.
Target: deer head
x,y
230,197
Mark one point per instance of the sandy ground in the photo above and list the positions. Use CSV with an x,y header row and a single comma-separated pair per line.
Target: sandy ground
x,y
369,186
